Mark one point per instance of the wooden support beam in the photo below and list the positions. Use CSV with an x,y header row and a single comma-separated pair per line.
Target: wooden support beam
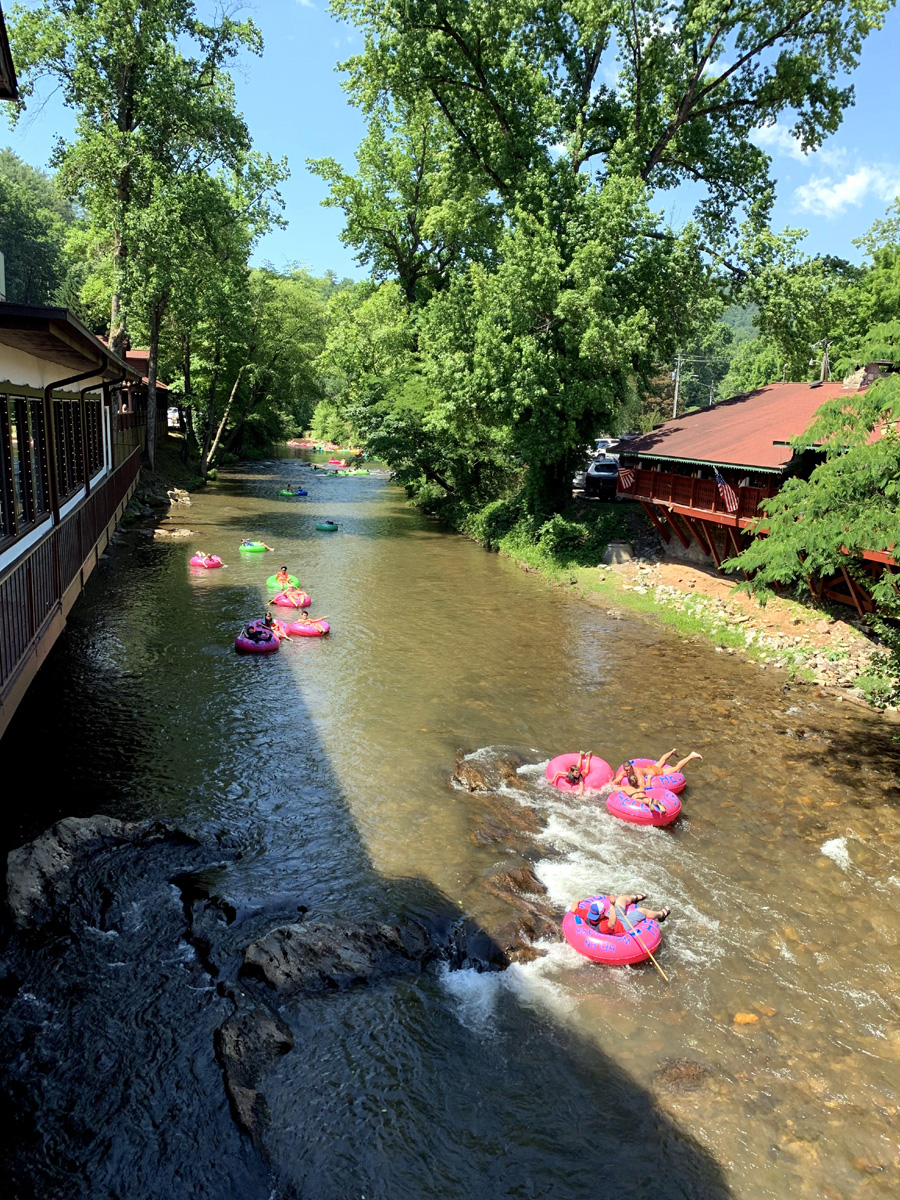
x,y
699,533
676,528
714,550
657,523
856,591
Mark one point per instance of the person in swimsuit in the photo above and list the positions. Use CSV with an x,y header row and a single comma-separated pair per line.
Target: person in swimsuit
x,y
283,579
305,619
631,787
643,775
576,773
251,542
613,917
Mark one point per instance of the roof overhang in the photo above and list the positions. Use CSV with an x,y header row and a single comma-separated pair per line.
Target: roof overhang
x,y
55,336
708,462
9,88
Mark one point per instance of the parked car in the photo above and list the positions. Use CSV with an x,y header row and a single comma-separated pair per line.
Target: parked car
x,y
602,478
602,446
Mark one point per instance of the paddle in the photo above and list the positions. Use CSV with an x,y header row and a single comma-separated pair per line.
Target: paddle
x,y
643,947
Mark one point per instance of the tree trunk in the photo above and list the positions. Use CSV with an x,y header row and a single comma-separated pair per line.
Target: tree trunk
x,y
152,367
117,314
219,431
184,409
210,421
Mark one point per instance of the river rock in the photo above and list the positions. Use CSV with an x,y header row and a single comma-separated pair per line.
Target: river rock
x,y
180,534
507,823
618,552
529,917
482,772
247,1044
326,955
41,876
682,1075
469,775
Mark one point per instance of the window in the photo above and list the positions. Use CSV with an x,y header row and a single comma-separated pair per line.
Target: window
x,y
24,494
40,483
93,425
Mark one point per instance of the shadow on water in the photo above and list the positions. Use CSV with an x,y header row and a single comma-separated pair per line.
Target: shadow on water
x,y
411,1087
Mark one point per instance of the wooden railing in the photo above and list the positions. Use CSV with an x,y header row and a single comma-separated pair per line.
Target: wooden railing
x,y
32,590
702,494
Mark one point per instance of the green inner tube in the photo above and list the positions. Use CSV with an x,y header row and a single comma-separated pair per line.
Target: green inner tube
x,y
285,492
272,582
254,548
326,526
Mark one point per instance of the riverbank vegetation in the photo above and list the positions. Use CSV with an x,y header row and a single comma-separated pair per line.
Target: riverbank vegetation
x,y
526,294
147,227
525,290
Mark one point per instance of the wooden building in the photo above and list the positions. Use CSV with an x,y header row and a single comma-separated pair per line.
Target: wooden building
x,y
743,441
9,88
68,466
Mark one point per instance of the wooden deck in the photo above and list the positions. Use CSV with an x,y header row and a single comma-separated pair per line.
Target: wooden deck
x,y
38,591
692,510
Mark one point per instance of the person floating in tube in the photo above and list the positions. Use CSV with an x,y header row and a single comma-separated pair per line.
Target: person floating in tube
x,y
252,542
643,775
614,917
283,578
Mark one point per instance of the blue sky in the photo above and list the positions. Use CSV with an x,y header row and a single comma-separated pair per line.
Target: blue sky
x,y
294,105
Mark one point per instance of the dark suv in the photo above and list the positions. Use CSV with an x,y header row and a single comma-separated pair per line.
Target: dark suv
x,y
602,478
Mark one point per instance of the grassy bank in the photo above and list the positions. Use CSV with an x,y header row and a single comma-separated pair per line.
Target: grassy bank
x,y
812,644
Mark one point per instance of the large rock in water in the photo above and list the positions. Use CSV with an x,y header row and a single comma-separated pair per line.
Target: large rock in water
x,y
247,1044
320,956
41,877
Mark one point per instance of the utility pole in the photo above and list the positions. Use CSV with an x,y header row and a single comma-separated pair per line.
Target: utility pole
x,y
826,366
712,392
679,358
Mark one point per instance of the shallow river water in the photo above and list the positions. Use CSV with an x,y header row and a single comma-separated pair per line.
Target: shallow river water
x,y
328,764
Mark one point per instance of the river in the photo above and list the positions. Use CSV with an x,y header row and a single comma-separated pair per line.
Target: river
x,y
327,765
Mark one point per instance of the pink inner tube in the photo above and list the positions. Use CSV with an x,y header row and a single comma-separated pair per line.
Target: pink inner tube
x,y
597,775
309,628
211,560
639,812
250,647
616,949
674,781
301,600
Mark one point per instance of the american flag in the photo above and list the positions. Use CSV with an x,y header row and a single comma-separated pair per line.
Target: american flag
x,y
728,494
626,478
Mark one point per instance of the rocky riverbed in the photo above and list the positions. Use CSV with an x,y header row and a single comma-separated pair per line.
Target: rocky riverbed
x,y
107,912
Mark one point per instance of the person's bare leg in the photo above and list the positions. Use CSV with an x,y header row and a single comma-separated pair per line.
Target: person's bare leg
x,y
655,916
679,766
661,763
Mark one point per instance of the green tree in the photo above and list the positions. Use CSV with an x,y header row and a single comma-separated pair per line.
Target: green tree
x,y
802,302
849,504
755,363
526,353
520,80
34,219
147,82
408,213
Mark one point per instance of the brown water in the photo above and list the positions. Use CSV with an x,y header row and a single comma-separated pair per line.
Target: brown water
x,y
330,761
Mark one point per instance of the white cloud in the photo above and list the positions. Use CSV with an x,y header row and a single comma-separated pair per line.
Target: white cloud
x,y
829,196
777,139
306,3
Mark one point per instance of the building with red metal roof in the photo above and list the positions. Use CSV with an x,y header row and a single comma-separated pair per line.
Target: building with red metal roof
x,y
748,432
702,477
